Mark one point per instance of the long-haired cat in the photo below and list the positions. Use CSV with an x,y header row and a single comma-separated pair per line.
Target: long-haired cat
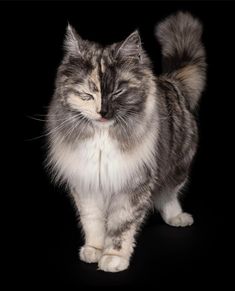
x,y
123,139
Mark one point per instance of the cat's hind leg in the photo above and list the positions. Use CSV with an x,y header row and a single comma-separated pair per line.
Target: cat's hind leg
x,y
168,204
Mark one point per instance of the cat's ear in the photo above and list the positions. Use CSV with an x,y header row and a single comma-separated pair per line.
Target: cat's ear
x,y
73,43
130,47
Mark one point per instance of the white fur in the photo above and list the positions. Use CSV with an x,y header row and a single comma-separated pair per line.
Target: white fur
x,y
92,219
112,263
90,254
171,210
182,219
98,163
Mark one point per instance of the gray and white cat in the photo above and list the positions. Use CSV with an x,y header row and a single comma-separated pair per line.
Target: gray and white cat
x,y
123,139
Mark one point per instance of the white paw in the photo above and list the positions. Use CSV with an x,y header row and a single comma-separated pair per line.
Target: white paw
x,y
110,263
89,254
182,219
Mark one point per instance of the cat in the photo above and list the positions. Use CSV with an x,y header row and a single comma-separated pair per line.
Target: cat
x,y
123,139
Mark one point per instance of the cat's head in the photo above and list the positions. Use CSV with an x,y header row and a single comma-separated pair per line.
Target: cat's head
x,y
104,85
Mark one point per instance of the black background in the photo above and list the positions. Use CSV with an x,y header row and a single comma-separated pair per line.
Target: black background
x,y
32,38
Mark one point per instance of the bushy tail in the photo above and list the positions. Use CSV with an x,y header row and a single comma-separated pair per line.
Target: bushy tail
x,y
183,53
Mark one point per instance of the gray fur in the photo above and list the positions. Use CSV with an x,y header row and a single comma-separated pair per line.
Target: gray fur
x,y
127,84
183,54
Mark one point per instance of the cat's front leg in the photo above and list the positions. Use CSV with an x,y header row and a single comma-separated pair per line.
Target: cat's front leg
x,y
125,216
93,224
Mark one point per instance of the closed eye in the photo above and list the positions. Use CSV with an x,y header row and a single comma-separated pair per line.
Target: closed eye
x,y
82,95
118,93
86,96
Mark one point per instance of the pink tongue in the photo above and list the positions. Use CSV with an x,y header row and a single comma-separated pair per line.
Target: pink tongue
x,y
103,119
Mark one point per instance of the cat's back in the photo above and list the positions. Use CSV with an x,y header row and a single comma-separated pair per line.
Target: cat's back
x,y
178,135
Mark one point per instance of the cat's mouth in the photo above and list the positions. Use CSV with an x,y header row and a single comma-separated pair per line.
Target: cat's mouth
x,y
102,121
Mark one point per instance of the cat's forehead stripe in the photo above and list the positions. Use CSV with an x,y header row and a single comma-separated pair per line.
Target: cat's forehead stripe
x,y
94,80
102,65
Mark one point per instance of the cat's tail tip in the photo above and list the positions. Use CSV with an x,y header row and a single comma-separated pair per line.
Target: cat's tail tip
x,y
178,25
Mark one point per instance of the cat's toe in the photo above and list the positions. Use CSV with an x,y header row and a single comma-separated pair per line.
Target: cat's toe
x,y
111,263
182,219
90,254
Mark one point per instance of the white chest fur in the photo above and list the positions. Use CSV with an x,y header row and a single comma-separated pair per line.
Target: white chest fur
x,y
98,164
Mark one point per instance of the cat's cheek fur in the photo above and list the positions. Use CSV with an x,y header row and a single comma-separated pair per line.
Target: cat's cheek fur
x,y
88,108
